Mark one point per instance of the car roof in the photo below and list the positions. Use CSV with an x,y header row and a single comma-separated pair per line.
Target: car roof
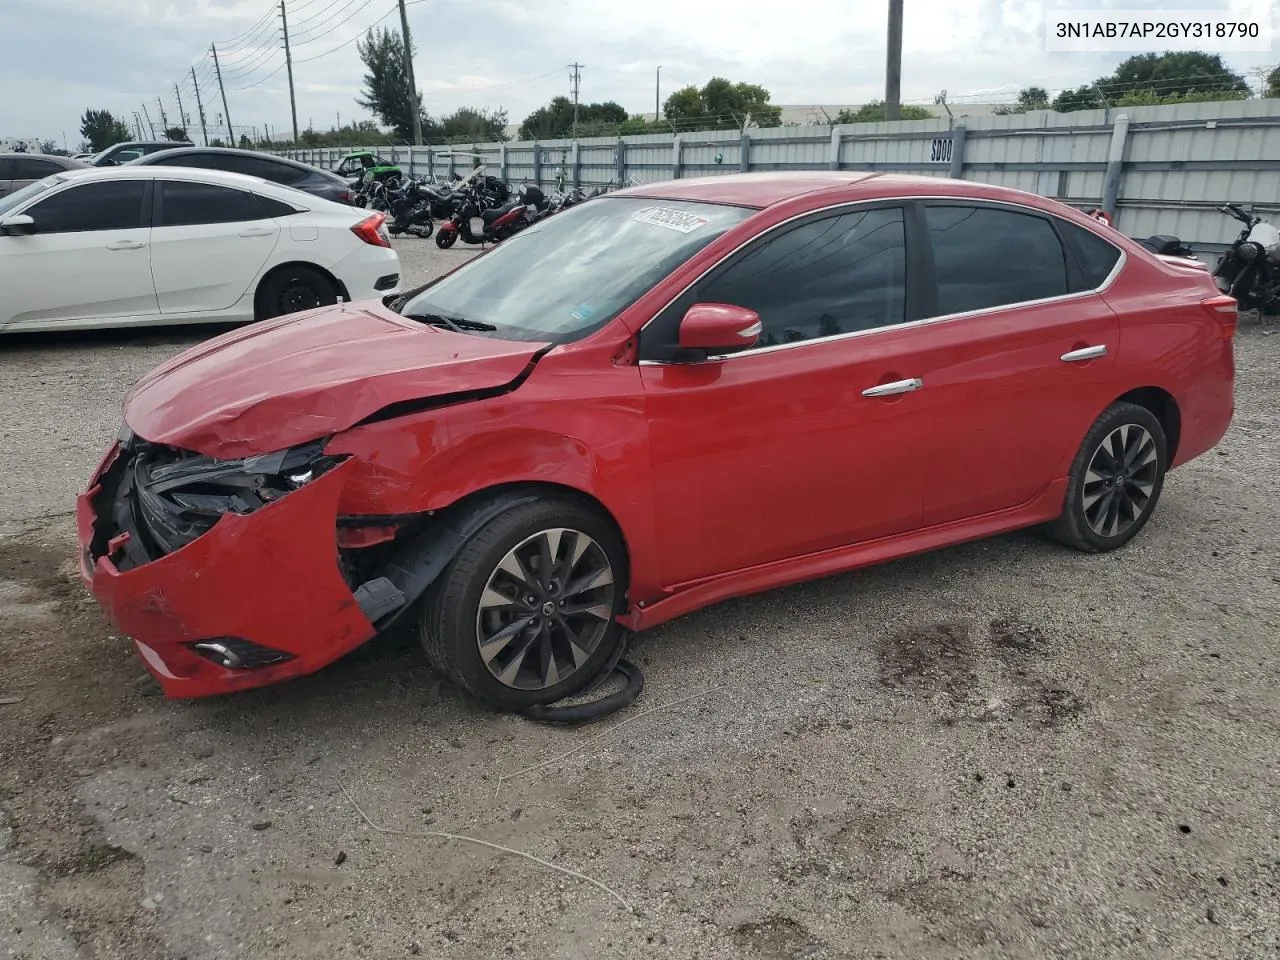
x,y
150,143
760,190
72,163
153,158
128,171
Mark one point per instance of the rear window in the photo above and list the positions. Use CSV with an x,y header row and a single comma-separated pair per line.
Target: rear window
x,y
1097,258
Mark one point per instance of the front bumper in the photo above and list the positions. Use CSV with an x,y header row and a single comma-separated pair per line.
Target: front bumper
x,y
271,578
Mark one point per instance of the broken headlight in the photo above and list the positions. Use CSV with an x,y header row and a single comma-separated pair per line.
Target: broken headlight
x,y
175,496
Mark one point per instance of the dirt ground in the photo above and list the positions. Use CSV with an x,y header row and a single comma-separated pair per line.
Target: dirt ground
x,y
999,750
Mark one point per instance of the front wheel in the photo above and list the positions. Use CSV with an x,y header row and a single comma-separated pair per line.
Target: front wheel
x,y
446,238
1115,480
525,613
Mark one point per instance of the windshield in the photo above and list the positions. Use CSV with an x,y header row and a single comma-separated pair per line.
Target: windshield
x,y
19,197
573,272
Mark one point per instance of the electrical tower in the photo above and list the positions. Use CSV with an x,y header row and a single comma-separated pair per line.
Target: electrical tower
x,y
577,81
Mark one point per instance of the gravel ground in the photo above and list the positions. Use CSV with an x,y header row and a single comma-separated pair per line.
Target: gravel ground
x,y
999,750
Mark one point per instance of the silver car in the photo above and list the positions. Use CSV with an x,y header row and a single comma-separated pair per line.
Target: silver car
x,y
19,169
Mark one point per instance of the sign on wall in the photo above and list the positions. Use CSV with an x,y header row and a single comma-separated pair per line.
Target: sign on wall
x,y
940,150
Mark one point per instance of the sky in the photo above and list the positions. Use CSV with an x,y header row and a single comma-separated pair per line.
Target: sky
x,y
62,56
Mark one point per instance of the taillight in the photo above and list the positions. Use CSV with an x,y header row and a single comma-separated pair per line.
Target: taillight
x,y
372,230
344,196
1225,310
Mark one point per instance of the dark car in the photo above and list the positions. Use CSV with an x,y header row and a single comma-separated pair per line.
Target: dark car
x,y
289,173
133,149
17,170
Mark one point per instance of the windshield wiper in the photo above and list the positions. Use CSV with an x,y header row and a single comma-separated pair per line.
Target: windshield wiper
x,y
456,324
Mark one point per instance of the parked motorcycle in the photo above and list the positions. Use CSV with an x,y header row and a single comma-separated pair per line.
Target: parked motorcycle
x,y
1161,244
1250,270
410,210
500,222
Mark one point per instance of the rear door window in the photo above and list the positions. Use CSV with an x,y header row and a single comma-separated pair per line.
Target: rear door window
x,y
985,257
184,203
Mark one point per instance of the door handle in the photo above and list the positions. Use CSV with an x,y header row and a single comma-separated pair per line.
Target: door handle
x,y
892,389
126,245
257,232
1085,353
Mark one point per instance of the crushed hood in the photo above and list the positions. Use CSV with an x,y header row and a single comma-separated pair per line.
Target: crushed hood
x,y
281,382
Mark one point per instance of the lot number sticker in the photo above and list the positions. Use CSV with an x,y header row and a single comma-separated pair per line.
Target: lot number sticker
x,y
672,219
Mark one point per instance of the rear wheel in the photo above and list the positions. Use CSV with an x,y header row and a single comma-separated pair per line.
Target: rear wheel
x,y
525,614
1115,480
292,289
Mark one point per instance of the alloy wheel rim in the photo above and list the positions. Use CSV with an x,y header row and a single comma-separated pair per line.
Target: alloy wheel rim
x,y
1120,480
545,608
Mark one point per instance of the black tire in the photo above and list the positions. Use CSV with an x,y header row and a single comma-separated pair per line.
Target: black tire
x,y
292,289
446,238
1088,521
451,618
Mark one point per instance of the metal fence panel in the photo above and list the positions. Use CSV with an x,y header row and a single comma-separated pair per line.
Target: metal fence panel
x,y
1178,161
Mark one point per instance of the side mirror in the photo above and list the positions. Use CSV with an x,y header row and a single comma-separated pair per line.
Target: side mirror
x,y
716,327
17,224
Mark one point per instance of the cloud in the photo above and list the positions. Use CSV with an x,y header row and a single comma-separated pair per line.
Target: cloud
x,y
66,55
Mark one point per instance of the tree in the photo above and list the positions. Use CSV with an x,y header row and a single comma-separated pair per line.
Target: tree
x,y
176,133
102,130
467,123
386,88
721,105
555,120
1172,74
1029,98
51,148
1273,84
1152,78
245,142
873,112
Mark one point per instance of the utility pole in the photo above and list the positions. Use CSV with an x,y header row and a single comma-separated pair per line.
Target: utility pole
x,y
408,72
288,62
164,121
893,70
204,134
137,124
223,90
577,79
657,96
151,126
182,114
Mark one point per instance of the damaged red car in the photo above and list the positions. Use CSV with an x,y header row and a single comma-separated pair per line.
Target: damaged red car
x,y
662,398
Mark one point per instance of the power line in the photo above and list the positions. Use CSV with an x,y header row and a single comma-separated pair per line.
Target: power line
x,y
258,83
303,26
347,18
346,43
271,10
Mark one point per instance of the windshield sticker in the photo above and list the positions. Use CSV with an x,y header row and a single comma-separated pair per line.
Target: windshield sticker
x,y
672,219
583,313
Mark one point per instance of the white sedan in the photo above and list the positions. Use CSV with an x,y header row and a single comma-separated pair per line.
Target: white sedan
x,y
123,246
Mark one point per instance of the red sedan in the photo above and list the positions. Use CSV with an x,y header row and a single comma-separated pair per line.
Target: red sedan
x,y
659,399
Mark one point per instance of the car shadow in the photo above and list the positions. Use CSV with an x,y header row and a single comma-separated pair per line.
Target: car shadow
x,y
149,336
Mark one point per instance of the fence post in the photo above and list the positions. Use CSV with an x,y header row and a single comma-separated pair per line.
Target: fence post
x,y
431,163
537,163
620,161
412,156
1115,165
744,152
958,133
577,165
833,160
675,156
450,164
502,161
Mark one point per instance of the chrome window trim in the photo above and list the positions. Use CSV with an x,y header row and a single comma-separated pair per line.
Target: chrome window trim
x,y
883,201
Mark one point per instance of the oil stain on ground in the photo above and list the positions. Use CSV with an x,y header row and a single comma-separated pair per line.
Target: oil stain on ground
x,y
929,659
